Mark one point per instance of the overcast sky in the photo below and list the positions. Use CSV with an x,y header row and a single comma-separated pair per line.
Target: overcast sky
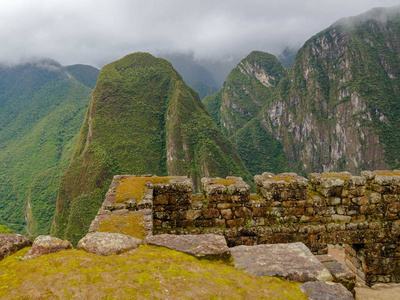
x,y
100,31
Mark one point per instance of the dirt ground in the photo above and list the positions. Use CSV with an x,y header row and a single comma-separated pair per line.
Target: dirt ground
x,y
378,292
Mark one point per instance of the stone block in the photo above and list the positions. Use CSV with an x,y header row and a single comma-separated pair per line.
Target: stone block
x,y
226,214
219,222
178,215
333,201
340,218
325,258
290,261
45,244
104,243
210,213
11,243
145,204
316,290
193,214
342,274
235,222
243,212
197,204
201,246
160,200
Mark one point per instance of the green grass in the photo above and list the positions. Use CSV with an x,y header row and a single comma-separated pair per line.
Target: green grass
x,y
150,272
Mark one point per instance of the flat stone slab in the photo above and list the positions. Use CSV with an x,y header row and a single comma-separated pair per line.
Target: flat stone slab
x,y
317,290
45,244
11,243
201,246
105,243
342,274
290,261
325,258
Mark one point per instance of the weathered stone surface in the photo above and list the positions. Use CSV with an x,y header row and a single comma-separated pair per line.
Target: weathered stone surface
x,y
11,243
45,244
104,243
290,261
316,290
342,274
326,209
204,245
325,258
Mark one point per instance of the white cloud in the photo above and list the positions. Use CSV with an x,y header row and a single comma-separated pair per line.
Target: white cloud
x,y
97,32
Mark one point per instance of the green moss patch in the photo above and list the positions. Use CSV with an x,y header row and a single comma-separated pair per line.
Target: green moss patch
x,y
387,173
150,272
225,182
131,225
343,176
133,187
282,177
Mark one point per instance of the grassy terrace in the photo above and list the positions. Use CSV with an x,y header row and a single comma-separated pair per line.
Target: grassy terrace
x,y
148,273
282,177
343,176
225,182
133,187
131,225
387,173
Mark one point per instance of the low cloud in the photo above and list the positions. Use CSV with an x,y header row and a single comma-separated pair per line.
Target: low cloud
x,y
98,32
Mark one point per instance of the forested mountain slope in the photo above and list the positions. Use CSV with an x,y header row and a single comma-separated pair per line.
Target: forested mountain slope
x,y
41,109
142,119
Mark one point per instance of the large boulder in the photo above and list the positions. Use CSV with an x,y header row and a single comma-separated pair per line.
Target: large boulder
x,y
105,243
290,261
342,274
317,290
201,246
45,244
11,243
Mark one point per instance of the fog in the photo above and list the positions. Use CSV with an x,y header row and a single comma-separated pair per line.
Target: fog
x,y
98,32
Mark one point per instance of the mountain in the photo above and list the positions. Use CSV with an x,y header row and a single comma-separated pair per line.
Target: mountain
x,y
287,56
84,73
248,87
337,109
195,75
41,109
143,118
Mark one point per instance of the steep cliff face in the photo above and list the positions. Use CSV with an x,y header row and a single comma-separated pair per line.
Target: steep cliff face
x,y
341,111
337,109
248,87
142,119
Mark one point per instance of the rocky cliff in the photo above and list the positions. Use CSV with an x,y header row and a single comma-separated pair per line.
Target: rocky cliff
x,y
247,88
338,107
142,119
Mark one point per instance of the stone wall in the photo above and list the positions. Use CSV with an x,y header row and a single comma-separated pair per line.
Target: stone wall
x,y
362,211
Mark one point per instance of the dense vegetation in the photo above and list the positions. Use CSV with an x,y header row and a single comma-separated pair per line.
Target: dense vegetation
x,y
142,119
243,93
249,87
5,229
337,108
85,74
41,109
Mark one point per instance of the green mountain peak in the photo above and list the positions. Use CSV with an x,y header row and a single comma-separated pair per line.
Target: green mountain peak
x,y
142,119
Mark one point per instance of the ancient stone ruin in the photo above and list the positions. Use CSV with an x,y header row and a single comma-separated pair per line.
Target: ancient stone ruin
x,y
359,211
